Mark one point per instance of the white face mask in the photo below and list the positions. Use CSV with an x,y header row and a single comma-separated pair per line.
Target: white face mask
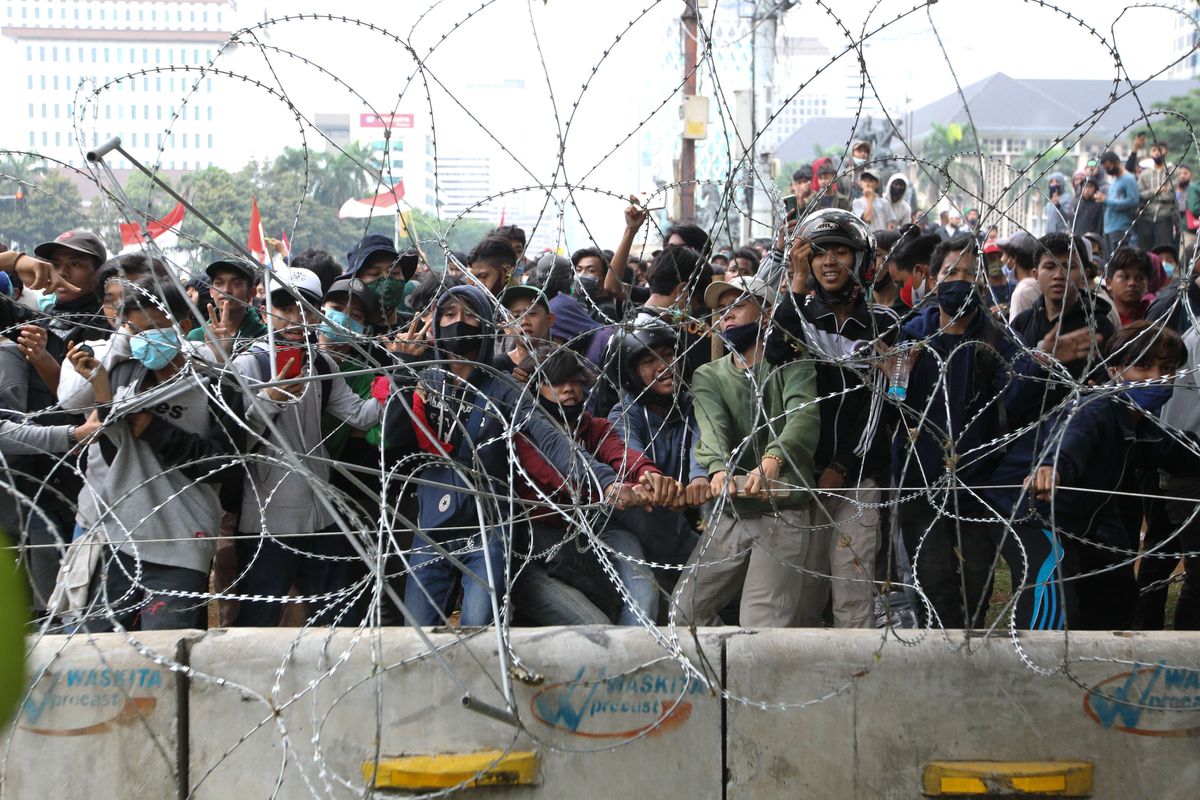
x,y
919,291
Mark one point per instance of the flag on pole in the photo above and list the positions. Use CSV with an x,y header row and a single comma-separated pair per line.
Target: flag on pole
x,y
502,210
287,246
379,205
257,243
164,232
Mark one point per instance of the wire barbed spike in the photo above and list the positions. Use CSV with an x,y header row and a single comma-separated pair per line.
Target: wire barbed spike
x,y
372,504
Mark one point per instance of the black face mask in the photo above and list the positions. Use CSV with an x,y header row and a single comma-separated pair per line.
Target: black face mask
x,y
567,413
460,338
590,285
897,192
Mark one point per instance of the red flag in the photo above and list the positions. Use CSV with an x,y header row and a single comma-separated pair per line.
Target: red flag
x,y
502,209
257,243
381,204
131,232
287,246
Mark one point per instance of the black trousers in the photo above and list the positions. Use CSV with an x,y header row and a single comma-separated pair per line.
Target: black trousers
x,y
951,558
267,567
134,593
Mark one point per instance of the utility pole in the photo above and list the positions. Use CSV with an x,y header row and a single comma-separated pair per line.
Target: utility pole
x,y
687,155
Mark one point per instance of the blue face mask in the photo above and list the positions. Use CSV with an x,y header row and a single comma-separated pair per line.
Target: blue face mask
x,y
46,302
1149,398
338,326
1168,268
154,348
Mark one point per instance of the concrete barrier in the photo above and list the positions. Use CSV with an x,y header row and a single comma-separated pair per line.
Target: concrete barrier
x,y
100,719
602,711
607,713
937,701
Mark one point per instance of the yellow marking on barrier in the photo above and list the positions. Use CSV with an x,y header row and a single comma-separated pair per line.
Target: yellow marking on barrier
x,y
1059,778
446,770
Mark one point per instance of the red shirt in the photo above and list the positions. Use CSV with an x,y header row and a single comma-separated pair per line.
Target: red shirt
x,y
597,436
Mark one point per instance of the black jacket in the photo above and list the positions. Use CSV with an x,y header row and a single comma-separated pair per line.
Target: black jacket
x,y
855,414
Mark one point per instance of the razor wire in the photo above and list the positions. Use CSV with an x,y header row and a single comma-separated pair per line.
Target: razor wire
x,y
372,509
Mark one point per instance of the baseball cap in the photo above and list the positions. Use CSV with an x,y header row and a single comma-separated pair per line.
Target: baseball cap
x,y
243,268
530,293
292,281
991,247
80,241
356,289
1018,241
744,285
869,172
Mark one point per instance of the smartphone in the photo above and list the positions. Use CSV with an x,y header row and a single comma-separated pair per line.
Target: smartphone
x,y
790,207
284,355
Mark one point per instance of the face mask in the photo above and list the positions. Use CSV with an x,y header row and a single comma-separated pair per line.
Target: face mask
x,y
1168,268
587,284
957,297
858,162
741,337
919,291
339,326
1010,274
390,292
460,339
1149,398
46,302
896,192
1159,159
568,413
971,223
154,348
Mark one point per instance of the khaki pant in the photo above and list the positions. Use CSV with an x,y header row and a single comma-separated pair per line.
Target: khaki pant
x,y
845,533
758,554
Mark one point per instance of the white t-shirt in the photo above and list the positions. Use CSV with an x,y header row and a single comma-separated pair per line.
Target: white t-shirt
x,y
882,216
1024,296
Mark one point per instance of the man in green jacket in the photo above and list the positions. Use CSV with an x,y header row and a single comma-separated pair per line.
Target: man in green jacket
x,y
759,426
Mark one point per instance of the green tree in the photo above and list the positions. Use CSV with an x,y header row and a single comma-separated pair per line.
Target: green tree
x,y
52,205
947,147
1174,131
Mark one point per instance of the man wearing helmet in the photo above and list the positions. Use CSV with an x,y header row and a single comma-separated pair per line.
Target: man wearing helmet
x,y
838,328
655,416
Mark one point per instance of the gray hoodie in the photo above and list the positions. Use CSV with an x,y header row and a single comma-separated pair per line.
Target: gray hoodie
x,y
278,493
157,500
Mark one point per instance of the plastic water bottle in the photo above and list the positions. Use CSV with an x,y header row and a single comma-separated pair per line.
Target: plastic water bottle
x,y
898,386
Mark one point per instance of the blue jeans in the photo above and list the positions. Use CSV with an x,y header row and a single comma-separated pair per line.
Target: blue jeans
x,y
540,599
433,580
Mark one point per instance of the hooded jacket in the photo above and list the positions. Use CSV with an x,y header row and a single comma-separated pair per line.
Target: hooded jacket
x,y
670,441
472,425
1059,218
1179,313
900,209
958,393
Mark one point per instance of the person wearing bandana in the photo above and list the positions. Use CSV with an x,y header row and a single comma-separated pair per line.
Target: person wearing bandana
x,y
464,414
838,325
759,428
385,271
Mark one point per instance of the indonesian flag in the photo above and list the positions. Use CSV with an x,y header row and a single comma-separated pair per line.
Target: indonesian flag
x,y
287,246
257,243
377,206
164,232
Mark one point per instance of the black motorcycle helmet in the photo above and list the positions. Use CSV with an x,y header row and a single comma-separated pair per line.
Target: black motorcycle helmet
x,y
630,344
831,226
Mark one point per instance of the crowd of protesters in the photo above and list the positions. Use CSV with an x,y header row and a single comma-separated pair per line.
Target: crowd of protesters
x,y
872,405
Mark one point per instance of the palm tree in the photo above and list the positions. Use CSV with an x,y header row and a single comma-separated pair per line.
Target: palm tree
x,y
20,169
946,147
342,175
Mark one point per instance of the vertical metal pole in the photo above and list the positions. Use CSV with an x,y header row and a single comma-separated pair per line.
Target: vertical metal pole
x,y
687,155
